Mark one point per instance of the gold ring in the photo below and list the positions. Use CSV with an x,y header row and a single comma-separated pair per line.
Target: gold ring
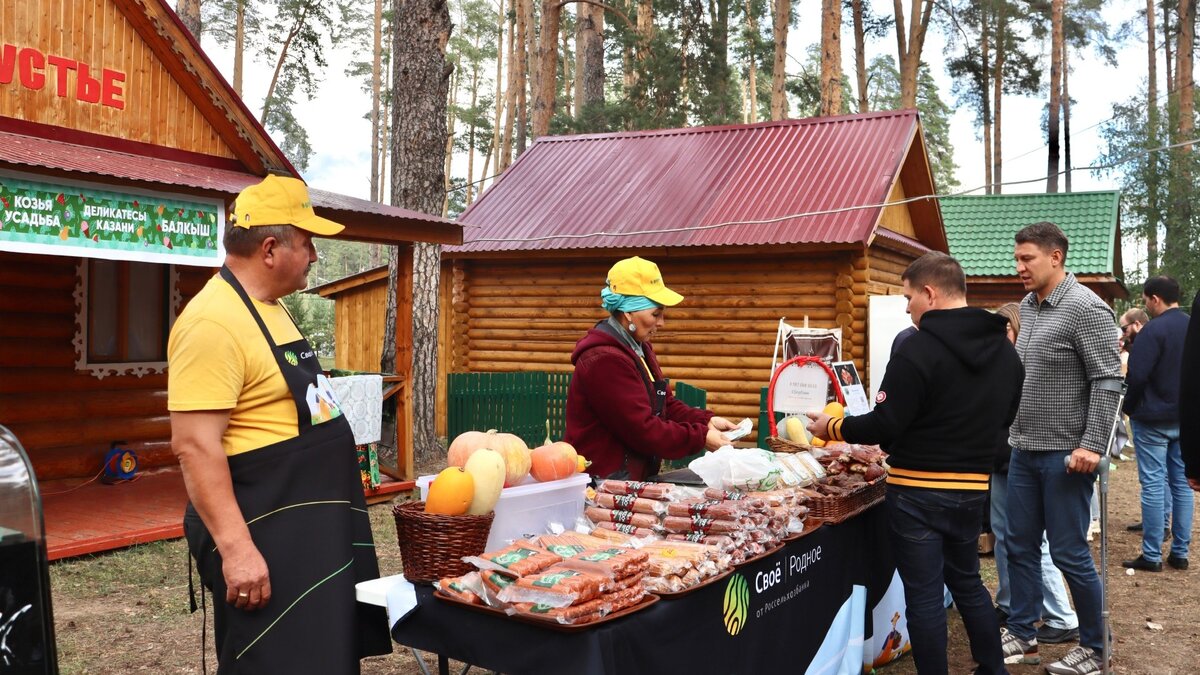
x,y
243,595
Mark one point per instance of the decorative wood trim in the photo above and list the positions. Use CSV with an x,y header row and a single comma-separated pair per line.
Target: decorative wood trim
x,y
102,370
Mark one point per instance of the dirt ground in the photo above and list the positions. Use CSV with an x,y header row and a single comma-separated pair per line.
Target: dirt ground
x,y
127,611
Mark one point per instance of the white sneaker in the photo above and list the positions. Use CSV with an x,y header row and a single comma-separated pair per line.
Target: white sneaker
x,y
1093,530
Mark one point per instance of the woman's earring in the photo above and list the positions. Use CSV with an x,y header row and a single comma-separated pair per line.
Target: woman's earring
x,y
632,327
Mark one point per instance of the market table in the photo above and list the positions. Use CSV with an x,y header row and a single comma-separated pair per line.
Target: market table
x,y
824,603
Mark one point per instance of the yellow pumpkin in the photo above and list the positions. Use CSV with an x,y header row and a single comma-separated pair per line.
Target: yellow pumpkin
x,y
834,409
581,463
486,467
451,492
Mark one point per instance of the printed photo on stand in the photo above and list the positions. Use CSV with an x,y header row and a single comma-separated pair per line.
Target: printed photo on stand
x,y
852,388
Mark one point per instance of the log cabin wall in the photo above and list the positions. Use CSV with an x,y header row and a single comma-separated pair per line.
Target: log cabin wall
x,y
359,317
517,315
137,100
66,419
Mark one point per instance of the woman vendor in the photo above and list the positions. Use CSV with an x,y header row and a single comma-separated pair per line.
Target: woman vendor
x,y
621,414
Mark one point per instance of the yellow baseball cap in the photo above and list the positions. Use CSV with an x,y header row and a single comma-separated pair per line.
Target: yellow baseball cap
x,y
638,276
280,200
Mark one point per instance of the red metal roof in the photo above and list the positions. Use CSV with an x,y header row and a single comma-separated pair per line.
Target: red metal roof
x,y
714,186
20,151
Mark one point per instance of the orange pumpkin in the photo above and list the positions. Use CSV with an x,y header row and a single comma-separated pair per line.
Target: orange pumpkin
x,y
554,461
450,493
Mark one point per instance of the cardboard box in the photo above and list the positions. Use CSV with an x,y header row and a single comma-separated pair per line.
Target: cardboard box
x,y
531,507
987,543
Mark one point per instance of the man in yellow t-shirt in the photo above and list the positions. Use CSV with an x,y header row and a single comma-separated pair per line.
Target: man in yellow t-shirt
x,y
276,523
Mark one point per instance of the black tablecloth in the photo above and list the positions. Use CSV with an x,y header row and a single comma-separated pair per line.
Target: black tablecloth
x,y
808,604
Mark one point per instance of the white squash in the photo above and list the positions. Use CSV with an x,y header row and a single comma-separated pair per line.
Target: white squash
x,y
486,466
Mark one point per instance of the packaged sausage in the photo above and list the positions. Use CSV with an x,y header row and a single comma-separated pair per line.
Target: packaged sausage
x,y
630,503
571,614
733,495
556,586
684,525
613,563
659,491
608,530
520,559
468,588
642,520
707,508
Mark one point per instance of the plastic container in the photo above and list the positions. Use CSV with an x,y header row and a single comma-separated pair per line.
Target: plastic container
x,y
530,507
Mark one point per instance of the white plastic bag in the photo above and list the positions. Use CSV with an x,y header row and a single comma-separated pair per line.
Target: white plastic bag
x,y
747,469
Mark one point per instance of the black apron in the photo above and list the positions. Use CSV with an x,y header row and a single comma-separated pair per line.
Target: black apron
x,y
302,499
637,466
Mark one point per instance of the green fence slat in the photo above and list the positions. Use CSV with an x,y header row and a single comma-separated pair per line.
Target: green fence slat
x,y
697,398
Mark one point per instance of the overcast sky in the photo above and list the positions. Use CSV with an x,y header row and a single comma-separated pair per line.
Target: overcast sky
x,y
340,135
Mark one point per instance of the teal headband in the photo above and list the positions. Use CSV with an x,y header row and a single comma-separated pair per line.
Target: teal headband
x,y
615,302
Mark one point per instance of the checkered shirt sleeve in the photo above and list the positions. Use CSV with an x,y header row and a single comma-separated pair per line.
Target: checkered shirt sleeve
x,y
1068,344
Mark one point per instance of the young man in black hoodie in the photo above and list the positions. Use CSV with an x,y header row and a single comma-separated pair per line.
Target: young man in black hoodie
x,y
948,391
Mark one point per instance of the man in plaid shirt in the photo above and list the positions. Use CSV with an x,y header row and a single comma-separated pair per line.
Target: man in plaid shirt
x,y
1068,343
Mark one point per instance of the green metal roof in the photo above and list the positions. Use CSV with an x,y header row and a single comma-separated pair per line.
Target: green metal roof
x,y
980,229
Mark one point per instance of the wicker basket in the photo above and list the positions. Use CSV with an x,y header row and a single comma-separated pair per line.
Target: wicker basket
x,y
432,546
833,510
777,444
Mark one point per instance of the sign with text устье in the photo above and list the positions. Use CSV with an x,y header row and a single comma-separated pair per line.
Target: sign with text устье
x,y
76,220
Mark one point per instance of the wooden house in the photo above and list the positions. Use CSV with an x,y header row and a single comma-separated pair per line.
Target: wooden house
x,y
121,149
980,232
751,223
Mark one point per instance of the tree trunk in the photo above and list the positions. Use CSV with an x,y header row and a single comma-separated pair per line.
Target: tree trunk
x,y
500,97
998,97
720,28
547,58
189,14
515,63
593,59
569,67
448,151
985,101
831,57
909,42
239,45
860,55
783,9
421,30
1168,60
1066,116
1184,54
1151,142
283,54
532,67
752,82
1056,42
471,129
376,75
524,67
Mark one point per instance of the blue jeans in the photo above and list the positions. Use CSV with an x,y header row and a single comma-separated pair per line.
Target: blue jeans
x,y
1056,607
1044,497
1160,468
935,538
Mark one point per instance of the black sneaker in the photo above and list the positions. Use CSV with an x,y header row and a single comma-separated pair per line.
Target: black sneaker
x,y
1002,616
1134,527
1016,650
1177,563
1140,563
1078,661
1054,636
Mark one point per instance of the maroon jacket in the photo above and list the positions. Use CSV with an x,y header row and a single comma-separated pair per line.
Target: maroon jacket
x,y
610,415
